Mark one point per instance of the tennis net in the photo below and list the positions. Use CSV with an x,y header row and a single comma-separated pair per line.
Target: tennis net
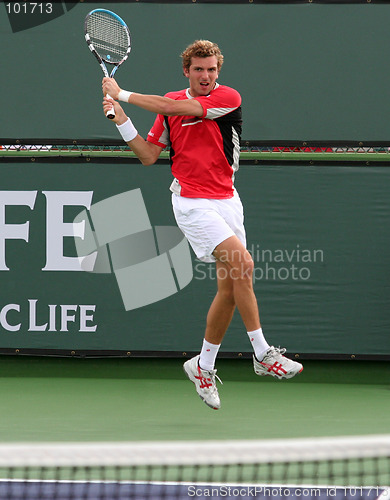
x,y
333,468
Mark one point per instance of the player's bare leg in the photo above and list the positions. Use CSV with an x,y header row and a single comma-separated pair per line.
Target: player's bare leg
x,y
223,306
267,360
239,264
200,369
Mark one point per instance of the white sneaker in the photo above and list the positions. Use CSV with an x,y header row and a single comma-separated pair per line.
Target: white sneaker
x,y
276,365
204,381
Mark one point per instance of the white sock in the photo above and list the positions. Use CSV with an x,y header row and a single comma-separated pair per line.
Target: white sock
x,y
259,344
208,355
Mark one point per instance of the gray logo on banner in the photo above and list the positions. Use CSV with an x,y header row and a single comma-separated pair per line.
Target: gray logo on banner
x,y
149,263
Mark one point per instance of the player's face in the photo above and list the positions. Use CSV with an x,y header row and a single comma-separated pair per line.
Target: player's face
x,y
202,75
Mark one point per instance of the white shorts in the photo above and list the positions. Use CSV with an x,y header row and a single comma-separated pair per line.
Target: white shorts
x,y
206,222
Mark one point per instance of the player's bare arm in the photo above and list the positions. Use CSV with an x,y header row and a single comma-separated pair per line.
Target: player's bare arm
x,y
166,106
155,103
147,152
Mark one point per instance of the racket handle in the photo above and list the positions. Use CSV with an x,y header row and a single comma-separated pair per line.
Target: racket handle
x,y
111,112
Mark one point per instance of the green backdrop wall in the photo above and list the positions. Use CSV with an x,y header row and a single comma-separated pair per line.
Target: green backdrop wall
x,y
305,71
319,235
320,238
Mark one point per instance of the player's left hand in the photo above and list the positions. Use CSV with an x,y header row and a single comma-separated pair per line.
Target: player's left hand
x,y
120,116
110,87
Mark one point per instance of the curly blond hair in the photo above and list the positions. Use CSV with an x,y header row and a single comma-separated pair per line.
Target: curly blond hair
x,y
201,48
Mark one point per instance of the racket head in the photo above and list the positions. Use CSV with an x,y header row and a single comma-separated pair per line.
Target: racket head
x,y
107,36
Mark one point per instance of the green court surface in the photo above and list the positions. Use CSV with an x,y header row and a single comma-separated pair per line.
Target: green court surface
x,y
68,399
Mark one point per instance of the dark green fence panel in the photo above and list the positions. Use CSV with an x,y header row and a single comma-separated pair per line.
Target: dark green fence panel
x,y
305,71
320,238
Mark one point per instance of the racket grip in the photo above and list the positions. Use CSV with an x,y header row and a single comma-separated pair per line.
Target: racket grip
x,y
111,112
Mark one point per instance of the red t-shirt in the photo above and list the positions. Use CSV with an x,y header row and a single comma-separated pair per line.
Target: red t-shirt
x,y
205,150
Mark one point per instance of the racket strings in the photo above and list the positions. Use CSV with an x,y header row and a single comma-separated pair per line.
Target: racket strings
x,y
108,36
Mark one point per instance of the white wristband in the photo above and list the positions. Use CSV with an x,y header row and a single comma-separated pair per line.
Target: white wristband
x,y
124,95
127,130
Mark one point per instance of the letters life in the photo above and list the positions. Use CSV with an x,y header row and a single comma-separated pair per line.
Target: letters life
x,y
58,316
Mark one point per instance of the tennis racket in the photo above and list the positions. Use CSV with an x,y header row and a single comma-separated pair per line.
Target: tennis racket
x,y
108,38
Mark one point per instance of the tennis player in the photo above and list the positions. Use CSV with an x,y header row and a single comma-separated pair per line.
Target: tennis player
x,y
202,126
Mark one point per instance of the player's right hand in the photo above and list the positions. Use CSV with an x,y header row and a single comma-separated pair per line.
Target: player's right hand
x,y
110,87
